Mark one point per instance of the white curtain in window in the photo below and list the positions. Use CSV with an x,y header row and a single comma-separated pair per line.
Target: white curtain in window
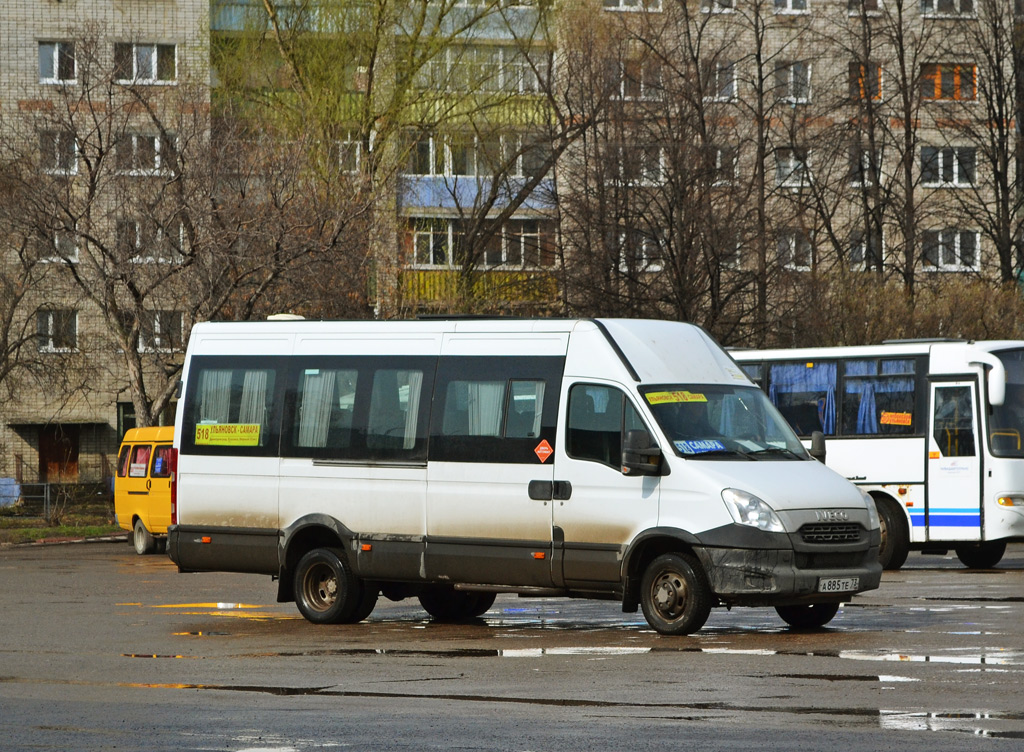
x,y
412,410
215,397
254,398
485,398
315,409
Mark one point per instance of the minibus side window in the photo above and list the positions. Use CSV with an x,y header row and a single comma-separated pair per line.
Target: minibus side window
x,y
473,408
393,424
140,461
525,405
595,423
326,402
161,464
231,407
122,462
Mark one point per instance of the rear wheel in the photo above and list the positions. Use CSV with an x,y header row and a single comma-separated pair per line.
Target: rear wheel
x,y
981,555
675,595
142,540
448,604
808,615
326,590
892,553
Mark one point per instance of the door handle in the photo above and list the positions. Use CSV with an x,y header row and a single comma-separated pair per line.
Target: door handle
x,y
546,490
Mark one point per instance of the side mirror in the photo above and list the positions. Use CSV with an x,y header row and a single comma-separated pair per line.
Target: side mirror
x,y
817,449
639,456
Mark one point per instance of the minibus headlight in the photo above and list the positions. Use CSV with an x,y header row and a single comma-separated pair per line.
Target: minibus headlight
x,y
1010,501
873,522
747,509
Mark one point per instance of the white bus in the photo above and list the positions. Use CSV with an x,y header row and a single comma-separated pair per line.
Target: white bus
x,y
450,460
932,429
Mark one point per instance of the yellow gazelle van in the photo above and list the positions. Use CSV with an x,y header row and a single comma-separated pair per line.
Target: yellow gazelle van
x,y
142,486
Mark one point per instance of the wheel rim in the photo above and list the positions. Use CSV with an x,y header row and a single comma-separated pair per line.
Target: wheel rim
x,y
140,540
320,587
883,544
669,595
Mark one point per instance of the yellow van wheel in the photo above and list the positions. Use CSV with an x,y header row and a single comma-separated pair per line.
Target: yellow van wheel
x,y
142,539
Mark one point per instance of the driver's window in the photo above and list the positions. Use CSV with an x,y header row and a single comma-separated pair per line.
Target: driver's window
x,y
953,421
596,418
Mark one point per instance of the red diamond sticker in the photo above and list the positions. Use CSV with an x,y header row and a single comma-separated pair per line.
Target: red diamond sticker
x,y
544,450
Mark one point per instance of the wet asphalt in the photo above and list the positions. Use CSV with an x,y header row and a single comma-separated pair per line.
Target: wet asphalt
x,y
101,649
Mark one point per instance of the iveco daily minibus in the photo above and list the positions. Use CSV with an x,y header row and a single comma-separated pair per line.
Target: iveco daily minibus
x,y
451,460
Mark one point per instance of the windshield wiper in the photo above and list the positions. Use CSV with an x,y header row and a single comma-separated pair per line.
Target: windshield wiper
x,y
781,452
718,453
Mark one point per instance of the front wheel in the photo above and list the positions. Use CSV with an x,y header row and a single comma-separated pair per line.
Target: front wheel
x,y
142,539
675,595
892,553
808,615
981,555
326,589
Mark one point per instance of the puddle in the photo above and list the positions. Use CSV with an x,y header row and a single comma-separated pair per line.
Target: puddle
x,y
200,634
976,724
992,657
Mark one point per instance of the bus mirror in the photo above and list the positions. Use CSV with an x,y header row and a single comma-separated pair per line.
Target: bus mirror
x,y
996,377
639,456
818,446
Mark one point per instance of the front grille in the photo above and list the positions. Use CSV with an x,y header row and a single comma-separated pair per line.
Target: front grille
x,y
830,532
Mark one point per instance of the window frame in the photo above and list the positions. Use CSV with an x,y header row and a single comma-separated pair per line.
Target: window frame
x,y
715,75
952,154
785,7
933,9
54,160
795,239
50,316
789,91
134,48
933,76
958,235
130,163
797,162
58,55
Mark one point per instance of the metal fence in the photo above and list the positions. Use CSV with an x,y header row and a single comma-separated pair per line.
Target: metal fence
x,y
46,500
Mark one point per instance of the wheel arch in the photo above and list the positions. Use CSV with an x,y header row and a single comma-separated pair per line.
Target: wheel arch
x,y
644,549
299,538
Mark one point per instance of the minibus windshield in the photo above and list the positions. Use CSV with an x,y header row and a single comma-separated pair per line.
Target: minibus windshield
x,y
720,421
1006,425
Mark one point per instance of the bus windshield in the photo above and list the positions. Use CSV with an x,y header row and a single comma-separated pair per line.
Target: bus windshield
x,y
720,421
1006,426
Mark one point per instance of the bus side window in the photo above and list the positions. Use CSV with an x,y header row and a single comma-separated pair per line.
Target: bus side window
x,y
122,462
595,424
953,424
526,403
393,423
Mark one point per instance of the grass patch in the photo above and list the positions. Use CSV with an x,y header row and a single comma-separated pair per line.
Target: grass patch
x,y
72,519
21,531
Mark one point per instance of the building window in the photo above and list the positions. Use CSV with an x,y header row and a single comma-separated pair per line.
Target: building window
x,y
161,331
949,81
522,243
856,7
795,250
431,242
793,81
948,166
58,152
57,63
145,63
865,81
724,168
791,6
947,7
348,153
638,252
640,165
721,82
60,247
57,330
654,5
640,79
863,167
791,168
950,250
140,154
524,71
865,250
145,242
427,156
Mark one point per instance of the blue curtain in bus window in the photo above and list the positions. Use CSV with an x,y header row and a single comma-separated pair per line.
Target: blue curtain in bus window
x,y
877,394
805,393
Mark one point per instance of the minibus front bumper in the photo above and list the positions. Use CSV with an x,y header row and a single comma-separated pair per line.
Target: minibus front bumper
x,y
777,576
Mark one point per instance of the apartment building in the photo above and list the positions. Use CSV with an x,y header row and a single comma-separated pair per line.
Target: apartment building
x,y
90,106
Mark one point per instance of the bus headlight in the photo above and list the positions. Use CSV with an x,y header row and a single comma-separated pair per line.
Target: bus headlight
x,y
873,522
747,509
1010,501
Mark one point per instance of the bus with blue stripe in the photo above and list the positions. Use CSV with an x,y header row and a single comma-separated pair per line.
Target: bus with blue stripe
x,y
931,429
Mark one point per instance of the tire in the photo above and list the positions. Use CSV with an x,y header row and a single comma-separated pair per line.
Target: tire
x,y
675,595
892,553
366,603
142,540
981,555
450,605
808,615
326,590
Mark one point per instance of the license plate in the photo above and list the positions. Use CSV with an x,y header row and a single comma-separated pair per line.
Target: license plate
x,y
838,584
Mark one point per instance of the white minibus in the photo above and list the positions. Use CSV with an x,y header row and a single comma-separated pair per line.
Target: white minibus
x,y
930,428
454,459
